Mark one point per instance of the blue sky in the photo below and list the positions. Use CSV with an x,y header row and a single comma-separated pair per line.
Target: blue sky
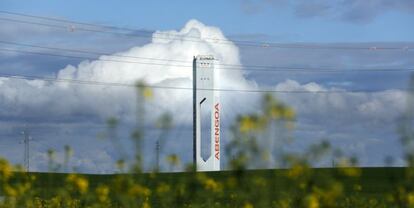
x,y
278,20
362,124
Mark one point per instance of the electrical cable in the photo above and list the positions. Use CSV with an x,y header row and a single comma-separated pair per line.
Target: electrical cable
x,y
114,84
147,33
269,68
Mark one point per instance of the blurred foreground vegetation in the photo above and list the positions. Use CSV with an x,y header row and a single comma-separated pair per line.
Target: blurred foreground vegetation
x,y
296,187
295,184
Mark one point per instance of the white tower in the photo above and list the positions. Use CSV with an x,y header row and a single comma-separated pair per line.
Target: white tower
x,y
205,102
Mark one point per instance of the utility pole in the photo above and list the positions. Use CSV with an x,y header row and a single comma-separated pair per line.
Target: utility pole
x,y
157,157
26,140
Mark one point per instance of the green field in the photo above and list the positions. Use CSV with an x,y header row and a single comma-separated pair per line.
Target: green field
x,y
372,184
373,180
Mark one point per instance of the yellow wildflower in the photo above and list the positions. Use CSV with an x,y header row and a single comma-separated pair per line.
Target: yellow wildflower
x,y
9,191
147,93
347,169
163,188
351,172
296,171
212,185
138,190
312,201
146,205
283,203
289,114
248,205
410,199
5,169
246,124
102,193
80,183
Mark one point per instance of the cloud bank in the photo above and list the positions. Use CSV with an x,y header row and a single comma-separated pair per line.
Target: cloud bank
x,y
70,113
66,99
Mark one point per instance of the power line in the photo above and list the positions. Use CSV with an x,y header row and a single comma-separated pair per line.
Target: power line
x,y
89,52
71,28
117,84
73,22
251,68
226,66
148,32
136,33
81,57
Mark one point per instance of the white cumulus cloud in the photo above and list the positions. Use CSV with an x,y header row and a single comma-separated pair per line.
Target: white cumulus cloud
x,y
44,101
66,99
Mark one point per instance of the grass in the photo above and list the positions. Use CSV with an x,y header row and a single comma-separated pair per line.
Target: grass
x,y
374,182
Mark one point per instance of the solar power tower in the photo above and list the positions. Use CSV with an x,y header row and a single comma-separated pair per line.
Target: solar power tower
x,y
206,115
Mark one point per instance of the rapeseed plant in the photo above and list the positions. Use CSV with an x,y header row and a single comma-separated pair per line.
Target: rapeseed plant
x,y
297,185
